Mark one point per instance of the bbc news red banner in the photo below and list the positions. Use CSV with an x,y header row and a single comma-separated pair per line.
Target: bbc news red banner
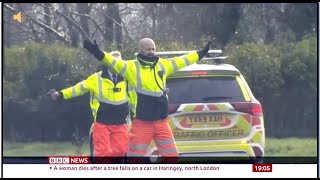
x,y
68,160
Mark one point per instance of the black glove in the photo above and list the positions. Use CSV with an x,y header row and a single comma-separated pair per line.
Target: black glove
x,y
93,49
204,51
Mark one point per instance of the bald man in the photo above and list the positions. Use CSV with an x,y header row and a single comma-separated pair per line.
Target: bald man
x,y
147,47
147,75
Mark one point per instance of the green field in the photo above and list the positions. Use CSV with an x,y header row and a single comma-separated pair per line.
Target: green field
x,y
274,147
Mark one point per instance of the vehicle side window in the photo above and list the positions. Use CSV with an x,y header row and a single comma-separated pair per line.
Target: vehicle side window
x,y
204,90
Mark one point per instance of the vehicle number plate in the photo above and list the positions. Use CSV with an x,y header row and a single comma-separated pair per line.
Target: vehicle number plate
x,y
205,119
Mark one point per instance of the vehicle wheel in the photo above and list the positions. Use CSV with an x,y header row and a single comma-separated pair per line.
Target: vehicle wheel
x,y
152,159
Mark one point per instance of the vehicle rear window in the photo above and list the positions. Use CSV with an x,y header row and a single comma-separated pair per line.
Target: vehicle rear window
x,y
204,90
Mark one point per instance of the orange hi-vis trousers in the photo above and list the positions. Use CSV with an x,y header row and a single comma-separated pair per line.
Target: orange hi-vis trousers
x,y
109,141
141,135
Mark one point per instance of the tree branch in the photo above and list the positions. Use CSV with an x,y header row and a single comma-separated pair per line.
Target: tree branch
x,y
126,31
84,34
53,31
87,16
42,13
94,32
70,20
113,20
20,26
41,4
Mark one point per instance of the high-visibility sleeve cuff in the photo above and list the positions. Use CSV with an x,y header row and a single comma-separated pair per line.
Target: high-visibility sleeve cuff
x,y
60,96
99,55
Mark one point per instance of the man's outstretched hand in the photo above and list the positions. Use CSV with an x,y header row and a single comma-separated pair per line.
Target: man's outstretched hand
x,y
206,48
204,51
93,48
54,94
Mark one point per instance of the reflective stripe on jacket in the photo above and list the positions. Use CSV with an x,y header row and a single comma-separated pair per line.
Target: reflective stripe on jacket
x,y
108,105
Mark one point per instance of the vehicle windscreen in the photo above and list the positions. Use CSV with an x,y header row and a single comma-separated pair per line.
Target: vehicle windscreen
x,y
204,90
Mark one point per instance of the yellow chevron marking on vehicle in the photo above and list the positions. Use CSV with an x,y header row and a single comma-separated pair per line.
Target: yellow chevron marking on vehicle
x,y
243,124
222,107
189,108
256,137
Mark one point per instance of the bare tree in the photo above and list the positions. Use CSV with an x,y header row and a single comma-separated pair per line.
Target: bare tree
x,y
84,8
36,22
7,33
74,35
258,22
44,29
70,23
47,18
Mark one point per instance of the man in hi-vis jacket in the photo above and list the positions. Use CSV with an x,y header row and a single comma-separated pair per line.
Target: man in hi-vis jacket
x,y
147,75
109,106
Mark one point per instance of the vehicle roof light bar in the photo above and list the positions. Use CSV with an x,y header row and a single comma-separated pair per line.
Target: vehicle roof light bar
x,y
216,60
209,57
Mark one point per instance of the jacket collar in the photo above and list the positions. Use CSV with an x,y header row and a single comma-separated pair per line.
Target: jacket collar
x,y
105,75
147,60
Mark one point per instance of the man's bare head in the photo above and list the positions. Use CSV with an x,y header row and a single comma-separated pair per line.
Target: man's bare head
x,y
147,47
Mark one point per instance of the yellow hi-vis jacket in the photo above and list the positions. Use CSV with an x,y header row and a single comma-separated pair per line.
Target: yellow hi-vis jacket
x,y
150,102
108,101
